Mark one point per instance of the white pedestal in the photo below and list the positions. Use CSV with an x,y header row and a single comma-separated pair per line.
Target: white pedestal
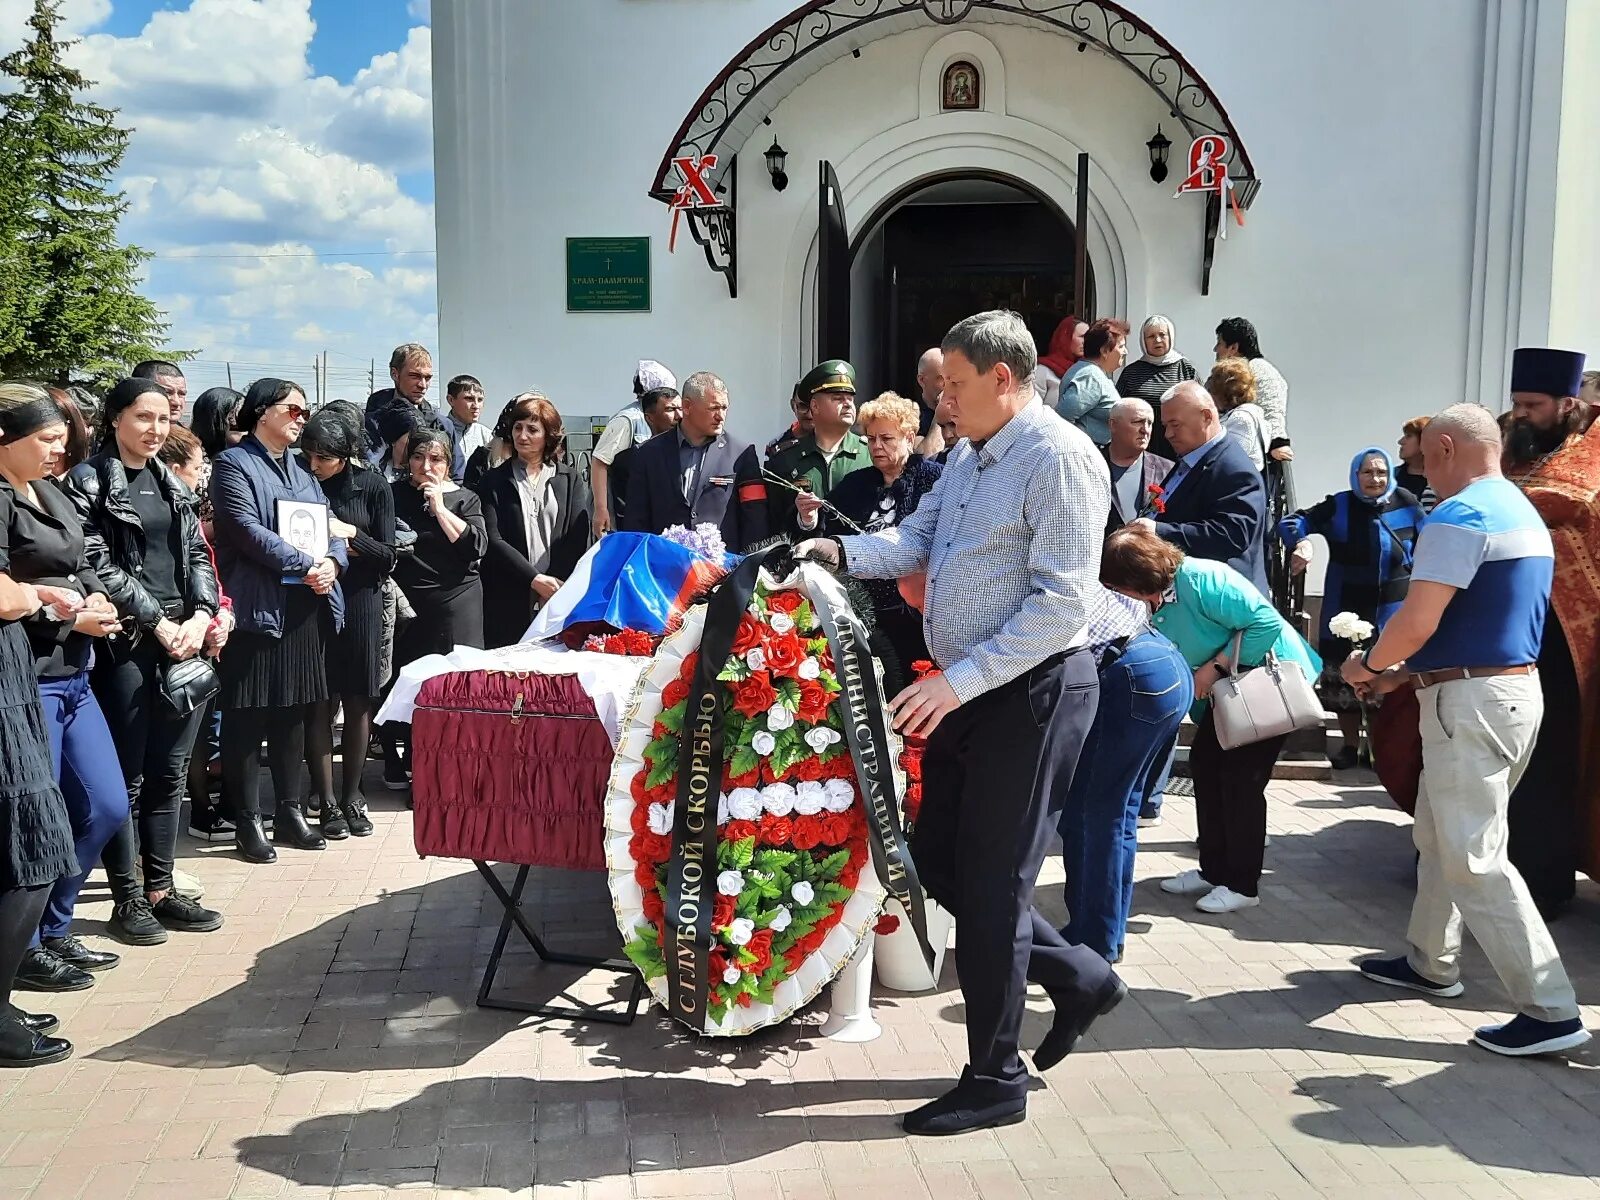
x,y
901,967
850,1016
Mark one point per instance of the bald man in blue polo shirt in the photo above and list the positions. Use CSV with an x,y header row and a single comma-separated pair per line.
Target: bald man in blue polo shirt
x,y
1468,637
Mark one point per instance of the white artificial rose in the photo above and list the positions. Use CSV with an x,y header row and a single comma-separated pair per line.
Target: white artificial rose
x,y
730,883
741,931
782,921
763,743
779,718
810,798
780,622
730,975
778,799
841,795
810,668
661,818
820,737
756,659
803,893
744,804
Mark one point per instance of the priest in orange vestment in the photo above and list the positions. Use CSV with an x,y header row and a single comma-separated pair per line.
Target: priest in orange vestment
x,y
1553,454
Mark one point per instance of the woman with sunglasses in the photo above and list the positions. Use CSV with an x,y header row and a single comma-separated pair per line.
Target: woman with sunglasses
x,y
286,604
142,529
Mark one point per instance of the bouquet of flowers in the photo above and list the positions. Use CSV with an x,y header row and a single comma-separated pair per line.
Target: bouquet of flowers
x,y
1155,501
1358,632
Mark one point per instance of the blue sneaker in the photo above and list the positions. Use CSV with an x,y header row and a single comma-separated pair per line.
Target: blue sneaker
x,y
1523,1036
1397,972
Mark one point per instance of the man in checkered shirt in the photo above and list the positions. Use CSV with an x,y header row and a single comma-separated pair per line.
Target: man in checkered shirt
x,y
1010,539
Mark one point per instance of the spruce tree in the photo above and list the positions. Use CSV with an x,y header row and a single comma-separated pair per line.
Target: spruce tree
x,y
71,306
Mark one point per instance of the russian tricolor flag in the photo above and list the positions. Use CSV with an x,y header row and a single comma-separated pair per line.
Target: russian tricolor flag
x,y
627,581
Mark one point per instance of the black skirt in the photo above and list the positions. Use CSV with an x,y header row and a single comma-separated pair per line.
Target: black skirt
x,y
355,653
260,671
35,832
446,618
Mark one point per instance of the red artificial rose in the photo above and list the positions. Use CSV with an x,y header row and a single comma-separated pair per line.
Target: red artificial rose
x,y
755,695
776,831
655,909
717,960
807,833
675,693
723,910
814,702
784,654
887,923
748,636
807,770
785,602
761,946
737,831
645,875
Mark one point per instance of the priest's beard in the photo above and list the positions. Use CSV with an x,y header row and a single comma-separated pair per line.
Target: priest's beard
x,y
1526,441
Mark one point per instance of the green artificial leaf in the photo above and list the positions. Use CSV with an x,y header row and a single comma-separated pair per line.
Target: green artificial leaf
x,y
789,694
672,717
663,749
799,928
661,773
775,862
645,954
743,851
835,893
717,1010
744,760
736,670
830,867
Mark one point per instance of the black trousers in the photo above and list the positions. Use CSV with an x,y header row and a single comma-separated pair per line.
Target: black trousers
x,y
153,748
1230,806
995,775
20,910
1543,810
242,731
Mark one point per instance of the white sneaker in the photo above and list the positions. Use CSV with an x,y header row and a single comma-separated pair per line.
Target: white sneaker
x,y
1149,822
1190,883
1225,900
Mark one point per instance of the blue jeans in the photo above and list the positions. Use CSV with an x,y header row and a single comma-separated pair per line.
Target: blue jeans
x,y
1154,794
91,783
1143,695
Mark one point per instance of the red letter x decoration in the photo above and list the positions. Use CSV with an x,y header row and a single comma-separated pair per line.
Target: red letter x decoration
x,y
695,192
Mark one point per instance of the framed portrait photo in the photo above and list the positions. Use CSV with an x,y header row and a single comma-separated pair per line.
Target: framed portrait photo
x,y
304,525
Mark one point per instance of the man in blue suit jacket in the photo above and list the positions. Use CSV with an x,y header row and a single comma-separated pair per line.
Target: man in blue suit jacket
x,y
699,473
1216,502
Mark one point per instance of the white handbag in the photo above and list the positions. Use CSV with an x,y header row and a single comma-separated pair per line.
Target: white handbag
x,y
1263,702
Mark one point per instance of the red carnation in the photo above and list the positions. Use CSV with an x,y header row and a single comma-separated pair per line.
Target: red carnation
x,y
690,665
850,873
887,923
638,643
836,829
655,909
814,702
749,779
785,602
807,770
738,831
922,667
912,762
657,847
784,654
807,833
639,819
636,785
675,693
645,875
755,695
748,636
723,910
776,831
841,767
761,946
665,793
744,1000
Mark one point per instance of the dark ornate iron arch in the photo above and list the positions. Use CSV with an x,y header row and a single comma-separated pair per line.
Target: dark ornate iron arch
x,y
820,30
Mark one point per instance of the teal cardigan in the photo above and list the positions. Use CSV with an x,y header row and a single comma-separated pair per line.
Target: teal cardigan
x,y
1212,603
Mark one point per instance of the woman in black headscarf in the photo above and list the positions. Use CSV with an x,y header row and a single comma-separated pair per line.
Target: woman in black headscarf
x,y
287,604
363,514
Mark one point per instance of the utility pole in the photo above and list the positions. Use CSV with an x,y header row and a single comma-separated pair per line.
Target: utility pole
x,y
230,374
325,370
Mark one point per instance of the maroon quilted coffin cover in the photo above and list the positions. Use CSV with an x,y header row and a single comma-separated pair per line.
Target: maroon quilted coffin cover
x,y
510,768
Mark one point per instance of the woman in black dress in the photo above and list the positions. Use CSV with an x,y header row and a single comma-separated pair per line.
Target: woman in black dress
x,y
440,577
880,497
286,603
363,514
536,511
1148,377
142,531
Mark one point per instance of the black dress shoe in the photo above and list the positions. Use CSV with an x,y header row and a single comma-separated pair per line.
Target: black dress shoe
x,y
355,816
1070,1025
74,953
42,971
290,829
961,1111
251,842
33,1022
22,1046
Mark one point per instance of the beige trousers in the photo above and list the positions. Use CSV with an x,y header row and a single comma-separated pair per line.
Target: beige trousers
x,y
1477,735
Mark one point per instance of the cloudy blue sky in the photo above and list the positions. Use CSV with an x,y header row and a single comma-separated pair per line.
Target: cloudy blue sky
x,y
280,170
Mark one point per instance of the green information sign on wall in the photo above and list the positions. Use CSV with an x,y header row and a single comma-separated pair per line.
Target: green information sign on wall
x,y
608,274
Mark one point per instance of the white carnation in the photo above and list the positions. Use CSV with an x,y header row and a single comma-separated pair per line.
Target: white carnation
x,y
661,818
730,975
1350,627
841,795
741,931
803,893
810,668
723,815
810,798
744,804
778,798
756,659
780,622
730,883
820,737
763,743
782,921
779,718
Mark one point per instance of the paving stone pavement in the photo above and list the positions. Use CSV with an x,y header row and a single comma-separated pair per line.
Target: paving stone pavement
x,y
326,1039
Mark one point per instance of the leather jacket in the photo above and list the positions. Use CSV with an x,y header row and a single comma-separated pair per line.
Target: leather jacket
x,y
115,545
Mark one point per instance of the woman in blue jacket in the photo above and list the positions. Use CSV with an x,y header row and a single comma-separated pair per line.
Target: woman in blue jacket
x,y
286,604
1201,606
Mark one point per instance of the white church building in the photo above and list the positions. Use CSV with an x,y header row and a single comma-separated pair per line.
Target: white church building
x,y
1418,184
